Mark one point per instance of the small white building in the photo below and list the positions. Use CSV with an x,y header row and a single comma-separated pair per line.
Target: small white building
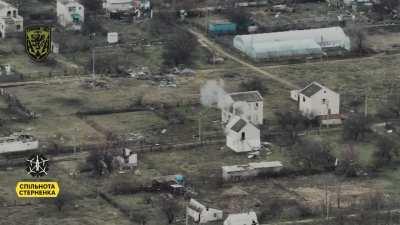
x,y
18,142
249,218
10,20
127,161
202,214
316,100
242,135
70,14
248,105
114,6
246,171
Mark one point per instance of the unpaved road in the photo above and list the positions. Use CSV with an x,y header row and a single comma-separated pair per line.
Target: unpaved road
x,y
213,46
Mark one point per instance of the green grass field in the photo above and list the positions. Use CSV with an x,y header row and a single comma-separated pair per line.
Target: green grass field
x,y
350,78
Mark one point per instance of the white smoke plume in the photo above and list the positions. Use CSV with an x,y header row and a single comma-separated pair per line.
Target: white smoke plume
x,y
242,109
212,94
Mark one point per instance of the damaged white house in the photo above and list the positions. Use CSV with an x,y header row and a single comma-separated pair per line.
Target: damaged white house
x,y
127,161
200,213
248,105
70,14
10,20
316,100
242,112
242,135
249,218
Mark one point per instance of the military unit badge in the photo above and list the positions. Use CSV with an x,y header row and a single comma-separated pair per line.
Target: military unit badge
x,y
38,42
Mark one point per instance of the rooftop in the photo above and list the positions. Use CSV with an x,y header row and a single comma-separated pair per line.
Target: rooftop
x,y
266,164
17,137
64,2
242,218
239,125
4,4
250,166
311,89
249,96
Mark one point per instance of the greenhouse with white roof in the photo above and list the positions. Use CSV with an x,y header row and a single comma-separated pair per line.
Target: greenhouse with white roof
x,y
291,43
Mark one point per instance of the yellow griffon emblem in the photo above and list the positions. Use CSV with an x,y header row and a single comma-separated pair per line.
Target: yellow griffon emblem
x,y
38,42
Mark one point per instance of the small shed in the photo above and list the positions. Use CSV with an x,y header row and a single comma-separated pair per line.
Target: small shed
x,y
246,171
112,37
222,27
201,214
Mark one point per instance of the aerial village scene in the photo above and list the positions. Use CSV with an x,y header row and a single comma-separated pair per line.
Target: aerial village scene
x,y
212,112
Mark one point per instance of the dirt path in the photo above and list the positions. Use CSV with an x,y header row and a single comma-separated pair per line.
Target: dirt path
x,y
206,42
324,220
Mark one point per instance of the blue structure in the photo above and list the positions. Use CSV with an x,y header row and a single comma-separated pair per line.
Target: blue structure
x,y
222,27
179,179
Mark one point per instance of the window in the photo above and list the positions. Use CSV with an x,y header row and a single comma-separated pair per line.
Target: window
x,y
323,101
15,13
9,13
256,107
304,99
243,136
18,27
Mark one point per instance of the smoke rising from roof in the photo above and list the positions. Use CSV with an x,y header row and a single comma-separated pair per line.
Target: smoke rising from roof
x,y
212,94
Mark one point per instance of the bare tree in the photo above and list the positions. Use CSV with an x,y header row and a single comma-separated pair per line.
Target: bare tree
x,y
312,156
291,122
356,126
62,199
386,152
358,38
180,49
254,84
170,207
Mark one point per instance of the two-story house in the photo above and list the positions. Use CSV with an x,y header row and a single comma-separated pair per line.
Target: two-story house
x,y
316,100
10,20
248,105
70,14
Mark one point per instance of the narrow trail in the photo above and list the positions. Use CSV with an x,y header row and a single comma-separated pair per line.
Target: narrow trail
x,y
205,41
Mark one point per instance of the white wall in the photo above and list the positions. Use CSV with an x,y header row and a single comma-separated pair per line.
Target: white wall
x,y
315,106
64,14
8,10
252,139
254,115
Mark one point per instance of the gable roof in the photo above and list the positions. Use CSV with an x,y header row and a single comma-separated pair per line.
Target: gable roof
x,y
249,96
238,126
311,89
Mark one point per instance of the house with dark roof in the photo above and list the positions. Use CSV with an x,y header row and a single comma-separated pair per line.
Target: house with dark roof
x,y
242,135
248,105
316,100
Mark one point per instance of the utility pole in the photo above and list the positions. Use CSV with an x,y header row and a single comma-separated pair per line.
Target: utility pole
x,y
366,105
200,128
93,64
